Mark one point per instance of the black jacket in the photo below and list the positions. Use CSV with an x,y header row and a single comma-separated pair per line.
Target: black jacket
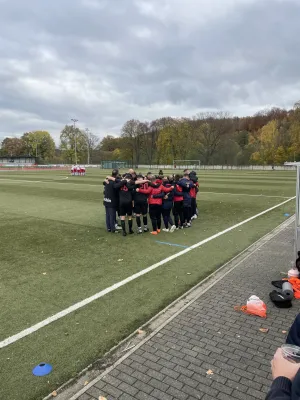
x,y
141,198
110,195
126,190
283,389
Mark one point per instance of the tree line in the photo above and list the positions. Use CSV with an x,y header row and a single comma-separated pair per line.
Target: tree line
x,y
271,136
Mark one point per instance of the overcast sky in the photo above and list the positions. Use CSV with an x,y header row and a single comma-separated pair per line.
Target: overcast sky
x,y
107,61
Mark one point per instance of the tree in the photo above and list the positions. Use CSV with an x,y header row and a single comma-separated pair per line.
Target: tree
x,y
211,128
91,143
39,144
71,139
132,134
12,147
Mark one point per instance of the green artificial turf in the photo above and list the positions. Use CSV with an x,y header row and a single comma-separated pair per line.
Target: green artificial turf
x,y
55,251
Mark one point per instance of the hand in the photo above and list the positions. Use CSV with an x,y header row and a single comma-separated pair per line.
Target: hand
x,y
165,197
137,190
106,181
282,367
172,187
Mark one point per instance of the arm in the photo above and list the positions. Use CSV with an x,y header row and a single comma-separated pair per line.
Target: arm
x,y
167,190
140,182
159,195
145,191
118,185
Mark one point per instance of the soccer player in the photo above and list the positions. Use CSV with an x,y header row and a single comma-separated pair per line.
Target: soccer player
x,y
111,202
186,185
167,205
178,203
141,204
77,170
193,192
155,203
126,187
73,170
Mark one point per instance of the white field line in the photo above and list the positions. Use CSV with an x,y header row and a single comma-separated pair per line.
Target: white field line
x,y
131,278
245,194
99,185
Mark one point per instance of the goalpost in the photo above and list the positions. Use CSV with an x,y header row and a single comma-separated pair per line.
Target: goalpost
x,y
187,164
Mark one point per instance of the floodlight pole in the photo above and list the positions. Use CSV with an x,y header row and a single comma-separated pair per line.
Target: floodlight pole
x,y
75,139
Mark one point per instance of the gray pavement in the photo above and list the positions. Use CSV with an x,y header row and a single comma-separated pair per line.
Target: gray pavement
x,y
209,335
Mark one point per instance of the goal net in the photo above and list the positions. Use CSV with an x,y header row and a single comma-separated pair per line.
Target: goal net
x,y
186,164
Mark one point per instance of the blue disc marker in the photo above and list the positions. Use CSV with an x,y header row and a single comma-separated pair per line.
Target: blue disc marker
x,y
42,369
286,214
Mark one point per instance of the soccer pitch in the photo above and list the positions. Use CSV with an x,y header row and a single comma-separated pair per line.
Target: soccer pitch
x,y
55,252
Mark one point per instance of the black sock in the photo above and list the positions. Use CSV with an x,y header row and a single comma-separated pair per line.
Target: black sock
x,y
123,226
154,224
145,220
138,221
166,221
159,223
176,220
130,224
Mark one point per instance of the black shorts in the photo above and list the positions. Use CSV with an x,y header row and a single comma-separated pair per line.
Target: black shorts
x,y
126,209
141,208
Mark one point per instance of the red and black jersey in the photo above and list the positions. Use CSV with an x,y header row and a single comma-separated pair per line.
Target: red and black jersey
x,y
125,190
140,197
178,195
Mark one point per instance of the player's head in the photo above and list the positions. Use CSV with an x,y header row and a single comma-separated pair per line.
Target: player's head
x,y
171,178
177,177
128,176
186,172
115,173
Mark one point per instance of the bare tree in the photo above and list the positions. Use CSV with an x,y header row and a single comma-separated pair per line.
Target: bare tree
x,y
91,143
132,133
211,127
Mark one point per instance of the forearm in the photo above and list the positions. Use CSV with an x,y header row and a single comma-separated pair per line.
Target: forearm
x,y
281,389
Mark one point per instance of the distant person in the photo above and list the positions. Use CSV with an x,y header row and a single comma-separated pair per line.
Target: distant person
x,y
125,188
111,202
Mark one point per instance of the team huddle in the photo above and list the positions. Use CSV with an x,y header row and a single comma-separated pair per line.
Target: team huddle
x,y
78,170
135,194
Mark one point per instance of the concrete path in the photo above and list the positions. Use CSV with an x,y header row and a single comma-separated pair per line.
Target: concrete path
x,y
208,350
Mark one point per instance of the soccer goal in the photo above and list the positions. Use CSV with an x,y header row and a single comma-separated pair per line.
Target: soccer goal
x,y
186,164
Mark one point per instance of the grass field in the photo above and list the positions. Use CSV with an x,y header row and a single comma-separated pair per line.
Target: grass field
x,y
55,252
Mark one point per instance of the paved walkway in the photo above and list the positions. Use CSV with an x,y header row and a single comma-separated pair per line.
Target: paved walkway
x,y
208,335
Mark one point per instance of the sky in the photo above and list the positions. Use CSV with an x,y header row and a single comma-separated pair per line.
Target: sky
x,y
104,62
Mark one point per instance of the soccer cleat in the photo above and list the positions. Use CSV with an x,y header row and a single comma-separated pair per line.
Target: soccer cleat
x,y
166,230
181,227
108,230
188,225
139,231
195,216
172,229
124,233
158,230
115,231
117,227
154,233
131,232
146,229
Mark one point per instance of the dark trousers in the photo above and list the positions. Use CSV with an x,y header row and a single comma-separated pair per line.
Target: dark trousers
x,y
194,207
166,213
110,218
187,212
155,215
294,333
178,213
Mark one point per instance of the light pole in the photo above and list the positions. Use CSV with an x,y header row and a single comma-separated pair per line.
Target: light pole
x,y
74,122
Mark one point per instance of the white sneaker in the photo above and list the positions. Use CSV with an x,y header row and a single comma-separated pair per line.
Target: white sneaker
x,y
172,229
166,230
195,216
118,228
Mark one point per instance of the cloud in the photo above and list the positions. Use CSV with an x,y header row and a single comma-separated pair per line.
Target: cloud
x,y
107,61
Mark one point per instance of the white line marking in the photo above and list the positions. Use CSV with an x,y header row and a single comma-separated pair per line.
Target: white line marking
x,y
131,278
99,185
245,194
20,180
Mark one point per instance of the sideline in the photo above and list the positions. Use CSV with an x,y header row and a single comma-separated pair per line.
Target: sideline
x,y
83,303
